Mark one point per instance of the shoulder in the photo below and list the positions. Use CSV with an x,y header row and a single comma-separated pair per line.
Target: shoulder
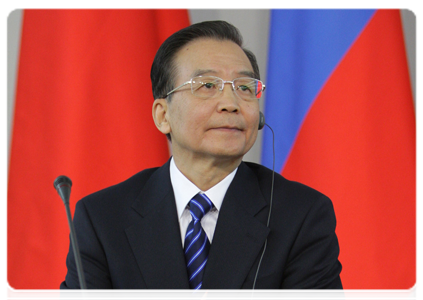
x,y
119,195
111,209
290,196
281,184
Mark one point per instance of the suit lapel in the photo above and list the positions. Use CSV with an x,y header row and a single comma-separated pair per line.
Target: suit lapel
x,y
239,235
155,238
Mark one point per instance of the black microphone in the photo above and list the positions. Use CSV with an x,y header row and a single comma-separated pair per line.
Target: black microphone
x,y
63,186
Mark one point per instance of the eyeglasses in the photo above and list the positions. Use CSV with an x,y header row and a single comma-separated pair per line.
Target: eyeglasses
x,y
209,86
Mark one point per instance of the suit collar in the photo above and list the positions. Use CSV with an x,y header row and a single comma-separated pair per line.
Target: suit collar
x,y
239,235
155,238
156,190
245,189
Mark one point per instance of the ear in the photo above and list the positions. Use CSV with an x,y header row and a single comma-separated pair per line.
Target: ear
x,y
161,115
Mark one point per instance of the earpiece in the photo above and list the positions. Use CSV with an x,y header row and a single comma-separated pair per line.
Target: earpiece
x,y
261,121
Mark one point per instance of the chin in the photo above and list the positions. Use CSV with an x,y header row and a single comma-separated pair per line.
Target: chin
x,y
230,148
228,152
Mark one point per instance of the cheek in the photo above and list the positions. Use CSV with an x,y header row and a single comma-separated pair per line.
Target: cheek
x,y
252,118
186,119
252,114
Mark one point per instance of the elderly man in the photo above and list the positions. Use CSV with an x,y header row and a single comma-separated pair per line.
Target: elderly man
x,y
206,219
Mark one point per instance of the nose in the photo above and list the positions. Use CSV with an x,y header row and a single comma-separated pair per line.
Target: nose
x,y
228,100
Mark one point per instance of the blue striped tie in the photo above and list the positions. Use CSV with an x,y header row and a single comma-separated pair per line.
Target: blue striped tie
x,y
197,244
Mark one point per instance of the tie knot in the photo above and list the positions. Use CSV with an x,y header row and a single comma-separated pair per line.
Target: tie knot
x,y
199,205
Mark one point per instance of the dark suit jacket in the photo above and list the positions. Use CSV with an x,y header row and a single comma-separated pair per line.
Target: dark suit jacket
x,y
129,236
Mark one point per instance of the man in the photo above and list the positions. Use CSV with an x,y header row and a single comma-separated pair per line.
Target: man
x,y
206,219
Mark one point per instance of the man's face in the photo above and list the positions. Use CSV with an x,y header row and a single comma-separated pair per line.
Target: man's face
x,y
224,126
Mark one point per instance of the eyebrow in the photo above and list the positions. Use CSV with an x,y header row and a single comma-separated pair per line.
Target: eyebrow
x,y
202,72
206,71
248,73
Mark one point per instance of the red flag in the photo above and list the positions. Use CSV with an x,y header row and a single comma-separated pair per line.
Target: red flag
x,y
358,146
83,109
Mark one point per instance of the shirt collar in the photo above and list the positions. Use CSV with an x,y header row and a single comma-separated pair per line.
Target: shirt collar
x,y
184,189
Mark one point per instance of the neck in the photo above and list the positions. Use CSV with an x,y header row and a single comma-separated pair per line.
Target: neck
x,y
206,173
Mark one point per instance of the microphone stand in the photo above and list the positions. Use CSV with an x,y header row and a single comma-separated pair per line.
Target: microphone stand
x,y
63,184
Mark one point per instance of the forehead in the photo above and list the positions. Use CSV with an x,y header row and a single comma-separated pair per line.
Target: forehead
x,y
211,57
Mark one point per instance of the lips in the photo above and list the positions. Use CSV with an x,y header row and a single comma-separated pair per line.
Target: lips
x,y
227,127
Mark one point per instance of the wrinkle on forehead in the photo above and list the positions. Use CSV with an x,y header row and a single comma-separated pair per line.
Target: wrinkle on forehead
x,y
201,72
221,58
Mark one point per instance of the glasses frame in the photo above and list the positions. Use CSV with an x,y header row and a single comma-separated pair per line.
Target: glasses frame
x,y
220,88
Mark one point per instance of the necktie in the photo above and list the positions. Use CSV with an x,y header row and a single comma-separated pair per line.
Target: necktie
x,y
197,244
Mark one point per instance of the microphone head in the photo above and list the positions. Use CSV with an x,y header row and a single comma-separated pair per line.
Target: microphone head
x,y
63,186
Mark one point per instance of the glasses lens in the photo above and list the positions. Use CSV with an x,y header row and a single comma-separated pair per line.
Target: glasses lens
x,y
205,87
248,88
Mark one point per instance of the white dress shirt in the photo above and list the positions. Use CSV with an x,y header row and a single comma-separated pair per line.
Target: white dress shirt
x,y
184,190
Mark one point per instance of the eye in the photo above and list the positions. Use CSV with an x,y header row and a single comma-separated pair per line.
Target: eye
x,y
245,88
205,87
209,85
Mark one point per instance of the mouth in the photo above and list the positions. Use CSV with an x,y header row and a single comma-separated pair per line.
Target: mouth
x,y
227,128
